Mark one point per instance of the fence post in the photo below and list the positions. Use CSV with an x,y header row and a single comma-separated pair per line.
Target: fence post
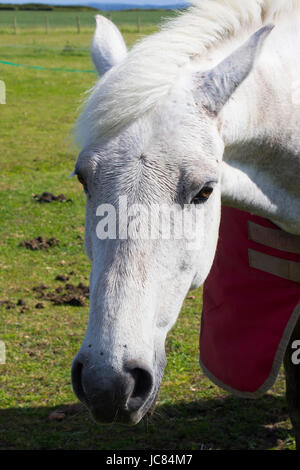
x,y
2,101
109,16
2,352
139,23
15,25
78,24
47,25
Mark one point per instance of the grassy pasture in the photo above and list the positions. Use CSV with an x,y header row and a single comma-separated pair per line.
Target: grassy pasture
x,y
68,20
37,155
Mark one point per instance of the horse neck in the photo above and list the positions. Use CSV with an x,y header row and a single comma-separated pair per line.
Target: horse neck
x,y
260,127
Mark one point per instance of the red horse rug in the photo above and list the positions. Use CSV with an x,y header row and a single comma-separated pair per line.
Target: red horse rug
x,y
251,304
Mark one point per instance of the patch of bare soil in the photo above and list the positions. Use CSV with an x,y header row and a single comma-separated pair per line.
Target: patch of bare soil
x,y
69,294
11,305
40,305
40,243
62,278
8,303
49,197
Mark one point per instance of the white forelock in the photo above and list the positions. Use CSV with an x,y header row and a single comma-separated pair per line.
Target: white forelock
x,y
153,65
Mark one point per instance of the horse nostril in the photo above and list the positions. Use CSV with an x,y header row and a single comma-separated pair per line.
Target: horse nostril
x,y
76,373
143,383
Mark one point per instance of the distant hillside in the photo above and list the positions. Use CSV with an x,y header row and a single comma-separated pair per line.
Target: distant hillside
x,y
43,7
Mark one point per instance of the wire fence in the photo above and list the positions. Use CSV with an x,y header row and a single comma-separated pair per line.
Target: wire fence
x,y
47,21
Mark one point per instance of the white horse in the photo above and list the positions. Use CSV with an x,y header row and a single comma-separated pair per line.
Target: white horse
x,y
203,112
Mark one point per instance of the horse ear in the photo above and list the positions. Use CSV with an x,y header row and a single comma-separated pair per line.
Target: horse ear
x,y
218,84
108,46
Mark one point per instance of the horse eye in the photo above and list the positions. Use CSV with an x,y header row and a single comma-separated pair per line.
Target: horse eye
x,y
82,181
203,195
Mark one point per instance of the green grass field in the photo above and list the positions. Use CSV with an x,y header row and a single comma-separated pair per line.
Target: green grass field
x,y
37,155
68,20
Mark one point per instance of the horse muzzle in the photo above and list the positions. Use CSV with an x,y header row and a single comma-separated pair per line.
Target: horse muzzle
x,y
111,395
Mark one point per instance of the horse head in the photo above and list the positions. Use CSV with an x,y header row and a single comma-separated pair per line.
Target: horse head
x,y
151,174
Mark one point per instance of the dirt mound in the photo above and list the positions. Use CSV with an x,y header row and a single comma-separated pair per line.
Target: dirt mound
x,y
40,243
11,305
62,278
65,295
8,303
39,305
40,288
49,197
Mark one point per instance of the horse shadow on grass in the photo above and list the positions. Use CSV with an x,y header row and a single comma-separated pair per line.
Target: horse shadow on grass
x,y
221,423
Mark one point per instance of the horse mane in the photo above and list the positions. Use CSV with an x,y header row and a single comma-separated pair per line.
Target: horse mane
x,y
153,65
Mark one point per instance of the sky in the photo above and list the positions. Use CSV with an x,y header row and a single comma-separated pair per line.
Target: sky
x,y
85,2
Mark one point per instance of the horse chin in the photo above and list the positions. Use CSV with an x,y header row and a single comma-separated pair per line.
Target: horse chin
x,y
125,417
121,417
